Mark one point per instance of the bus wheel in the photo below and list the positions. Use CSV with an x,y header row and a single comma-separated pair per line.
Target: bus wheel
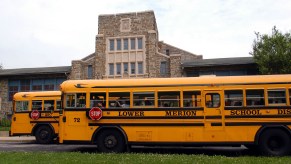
x,y
44,135
111,141
275,142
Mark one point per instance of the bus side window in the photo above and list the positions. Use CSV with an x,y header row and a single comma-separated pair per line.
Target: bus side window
x,y
169,99
70,100
59,105
49,104
21,106
81,100
192,98
233,97
276,96
119,99
290,96
98,100
255,97
36,105
76,100
141,99
212,100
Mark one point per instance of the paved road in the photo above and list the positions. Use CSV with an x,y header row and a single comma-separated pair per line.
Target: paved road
x,y
32,147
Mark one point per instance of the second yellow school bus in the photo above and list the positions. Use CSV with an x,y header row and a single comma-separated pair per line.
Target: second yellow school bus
x,y
241,110
46,105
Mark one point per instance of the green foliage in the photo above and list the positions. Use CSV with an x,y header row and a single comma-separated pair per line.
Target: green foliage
x,y
4,122
76,157
273,53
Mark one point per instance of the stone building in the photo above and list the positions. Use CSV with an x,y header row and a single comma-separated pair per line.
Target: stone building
x,y
128,46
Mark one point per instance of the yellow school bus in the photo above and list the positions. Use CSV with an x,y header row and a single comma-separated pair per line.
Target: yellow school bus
x,y
37,114
253,111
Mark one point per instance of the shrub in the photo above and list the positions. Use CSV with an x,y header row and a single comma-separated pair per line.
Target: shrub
x,y
5,122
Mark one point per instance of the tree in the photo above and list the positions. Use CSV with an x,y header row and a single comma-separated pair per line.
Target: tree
x,y
1,66
273,53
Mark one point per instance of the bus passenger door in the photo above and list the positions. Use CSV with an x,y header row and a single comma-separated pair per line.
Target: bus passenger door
x,y
213,110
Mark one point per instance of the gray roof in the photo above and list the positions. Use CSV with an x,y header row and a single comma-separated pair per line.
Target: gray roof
x,y
34,71
219,62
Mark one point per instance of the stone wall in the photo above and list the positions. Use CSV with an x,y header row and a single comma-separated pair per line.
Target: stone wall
x,y
185,55
139,24
5,106
175,65
80,67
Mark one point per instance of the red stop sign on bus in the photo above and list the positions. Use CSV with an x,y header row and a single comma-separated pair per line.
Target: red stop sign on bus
x,y
95,113
35,114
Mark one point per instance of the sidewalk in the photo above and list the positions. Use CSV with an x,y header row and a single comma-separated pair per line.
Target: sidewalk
x,y
4,137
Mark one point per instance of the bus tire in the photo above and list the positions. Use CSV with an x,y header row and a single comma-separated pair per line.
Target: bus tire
x,y
275,142
44,135
110,141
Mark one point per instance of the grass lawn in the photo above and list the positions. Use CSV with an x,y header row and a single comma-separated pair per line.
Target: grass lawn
x,y
76,157
4,128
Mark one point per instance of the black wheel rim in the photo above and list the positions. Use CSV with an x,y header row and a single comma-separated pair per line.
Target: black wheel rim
x,y
275,143
44,134
110,141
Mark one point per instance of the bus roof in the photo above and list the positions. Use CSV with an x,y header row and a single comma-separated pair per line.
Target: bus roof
x,y
184,81
22,95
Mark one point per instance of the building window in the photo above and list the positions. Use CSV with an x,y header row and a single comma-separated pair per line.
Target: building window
x,y
132,43
90,72
139,43
111,69
49,84
163,69
118,44
132,67
37,85
111,44
125,44
24,85
13,88
140,67
125,67
118,68
167,52
33,85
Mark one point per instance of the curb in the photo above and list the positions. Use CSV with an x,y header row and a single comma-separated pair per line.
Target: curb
x,y
29,139
5,138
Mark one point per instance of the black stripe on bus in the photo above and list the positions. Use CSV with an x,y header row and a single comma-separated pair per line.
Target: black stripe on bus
x,y
135,109
213,117
255,123
216,124
259,116
18,112
257,107
146,124
49,117
44,121
182,85
192,124
153,117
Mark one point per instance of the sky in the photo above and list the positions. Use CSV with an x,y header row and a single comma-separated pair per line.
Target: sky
x,y
49,33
